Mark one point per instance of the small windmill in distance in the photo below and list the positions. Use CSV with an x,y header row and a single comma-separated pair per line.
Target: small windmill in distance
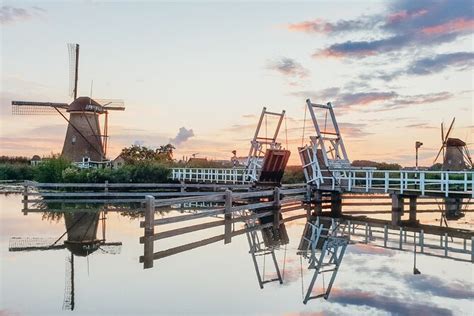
x,y
84,141
456,155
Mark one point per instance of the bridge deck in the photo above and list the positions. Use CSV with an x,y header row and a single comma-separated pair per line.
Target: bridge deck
x,y
409,182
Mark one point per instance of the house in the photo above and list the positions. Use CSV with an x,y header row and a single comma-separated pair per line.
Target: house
x,y
118,162
35,160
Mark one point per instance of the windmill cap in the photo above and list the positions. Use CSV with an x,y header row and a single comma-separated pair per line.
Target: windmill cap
x,y
455,142
85,104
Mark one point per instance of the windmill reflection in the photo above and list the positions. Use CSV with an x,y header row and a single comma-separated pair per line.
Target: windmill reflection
x,y
81,241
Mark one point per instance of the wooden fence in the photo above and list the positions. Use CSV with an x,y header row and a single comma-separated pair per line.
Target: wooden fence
x,y
234,205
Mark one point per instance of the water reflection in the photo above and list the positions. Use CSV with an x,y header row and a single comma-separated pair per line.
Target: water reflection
x,y
363,267
81,229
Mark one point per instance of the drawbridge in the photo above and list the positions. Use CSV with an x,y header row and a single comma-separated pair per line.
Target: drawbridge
x,y
326,165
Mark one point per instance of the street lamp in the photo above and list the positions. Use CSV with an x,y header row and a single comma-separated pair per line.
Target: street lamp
x,y
417,146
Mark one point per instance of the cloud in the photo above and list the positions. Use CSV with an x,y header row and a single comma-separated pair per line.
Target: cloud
x,y
406,24
290,68
427,98
9,14
346,99
425,66
438,287
428,65
182,136
341,26
389,304
420,125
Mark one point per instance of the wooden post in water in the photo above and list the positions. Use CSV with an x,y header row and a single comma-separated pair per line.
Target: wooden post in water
x,y
228,217
276,208
336,204
412,216
149,232
318,202
25,198
397,209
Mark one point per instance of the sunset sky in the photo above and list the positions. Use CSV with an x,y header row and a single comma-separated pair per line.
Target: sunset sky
x,y
198,73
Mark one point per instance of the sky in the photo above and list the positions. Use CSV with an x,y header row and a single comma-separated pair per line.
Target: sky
x,y
197,74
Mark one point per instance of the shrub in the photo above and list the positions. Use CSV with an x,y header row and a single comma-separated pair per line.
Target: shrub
x,y
51,170
16,172
293,174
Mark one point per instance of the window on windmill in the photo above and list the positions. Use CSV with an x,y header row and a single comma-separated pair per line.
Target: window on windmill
x,y
73,140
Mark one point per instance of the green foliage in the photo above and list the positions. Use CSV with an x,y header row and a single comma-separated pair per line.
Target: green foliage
x,y
139,172
144,172
378,165
15,171
51,170
14,160
293,174
436,167
135,153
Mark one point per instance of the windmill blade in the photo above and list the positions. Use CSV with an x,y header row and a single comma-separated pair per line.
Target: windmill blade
x,y
449,130
111,248
73,68
33,244
111,104
36,108
68,302
442,133
439,152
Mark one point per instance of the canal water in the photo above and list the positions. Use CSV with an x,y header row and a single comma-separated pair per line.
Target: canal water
x,y
216,279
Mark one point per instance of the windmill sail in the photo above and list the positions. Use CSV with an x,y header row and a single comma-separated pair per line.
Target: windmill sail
x,y
73,68
36,108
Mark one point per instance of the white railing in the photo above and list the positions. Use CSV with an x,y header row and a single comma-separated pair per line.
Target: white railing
x,y
92,164
210,175
424,182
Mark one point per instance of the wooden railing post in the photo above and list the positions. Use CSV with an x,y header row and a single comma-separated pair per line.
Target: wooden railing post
x,y
106,187
228,217
276,207
149,231
25,198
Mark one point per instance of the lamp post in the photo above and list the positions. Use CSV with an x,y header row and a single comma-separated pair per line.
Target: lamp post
x,y
417,146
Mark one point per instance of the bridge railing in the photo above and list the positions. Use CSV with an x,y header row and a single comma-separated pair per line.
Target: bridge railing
x,y
213,175
424,182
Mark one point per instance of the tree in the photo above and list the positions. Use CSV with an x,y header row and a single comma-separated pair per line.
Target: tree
x,y
136,153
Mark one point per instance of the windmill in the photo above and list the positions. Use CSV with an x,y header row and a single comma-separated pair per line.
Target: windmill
x,y
84,141
82,241
456,155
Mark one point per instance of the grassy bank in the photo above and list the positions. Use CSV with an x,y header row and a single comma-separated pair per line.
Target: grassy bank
x,y
59,170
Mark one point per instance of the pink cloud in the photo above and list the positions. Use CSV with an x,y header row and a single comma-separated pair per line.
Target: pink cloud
x,y
315,26
457,25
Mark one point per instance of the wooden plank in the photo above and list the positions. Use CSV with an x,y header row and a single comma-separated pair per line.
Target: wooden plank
x,y
202,226
201,243
185,230
177,219
228,216
254,194
121,194
203,198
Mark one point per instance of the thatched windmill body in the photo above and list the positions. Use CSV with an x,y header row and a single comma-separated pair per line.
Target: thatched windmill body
x,y
85,140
